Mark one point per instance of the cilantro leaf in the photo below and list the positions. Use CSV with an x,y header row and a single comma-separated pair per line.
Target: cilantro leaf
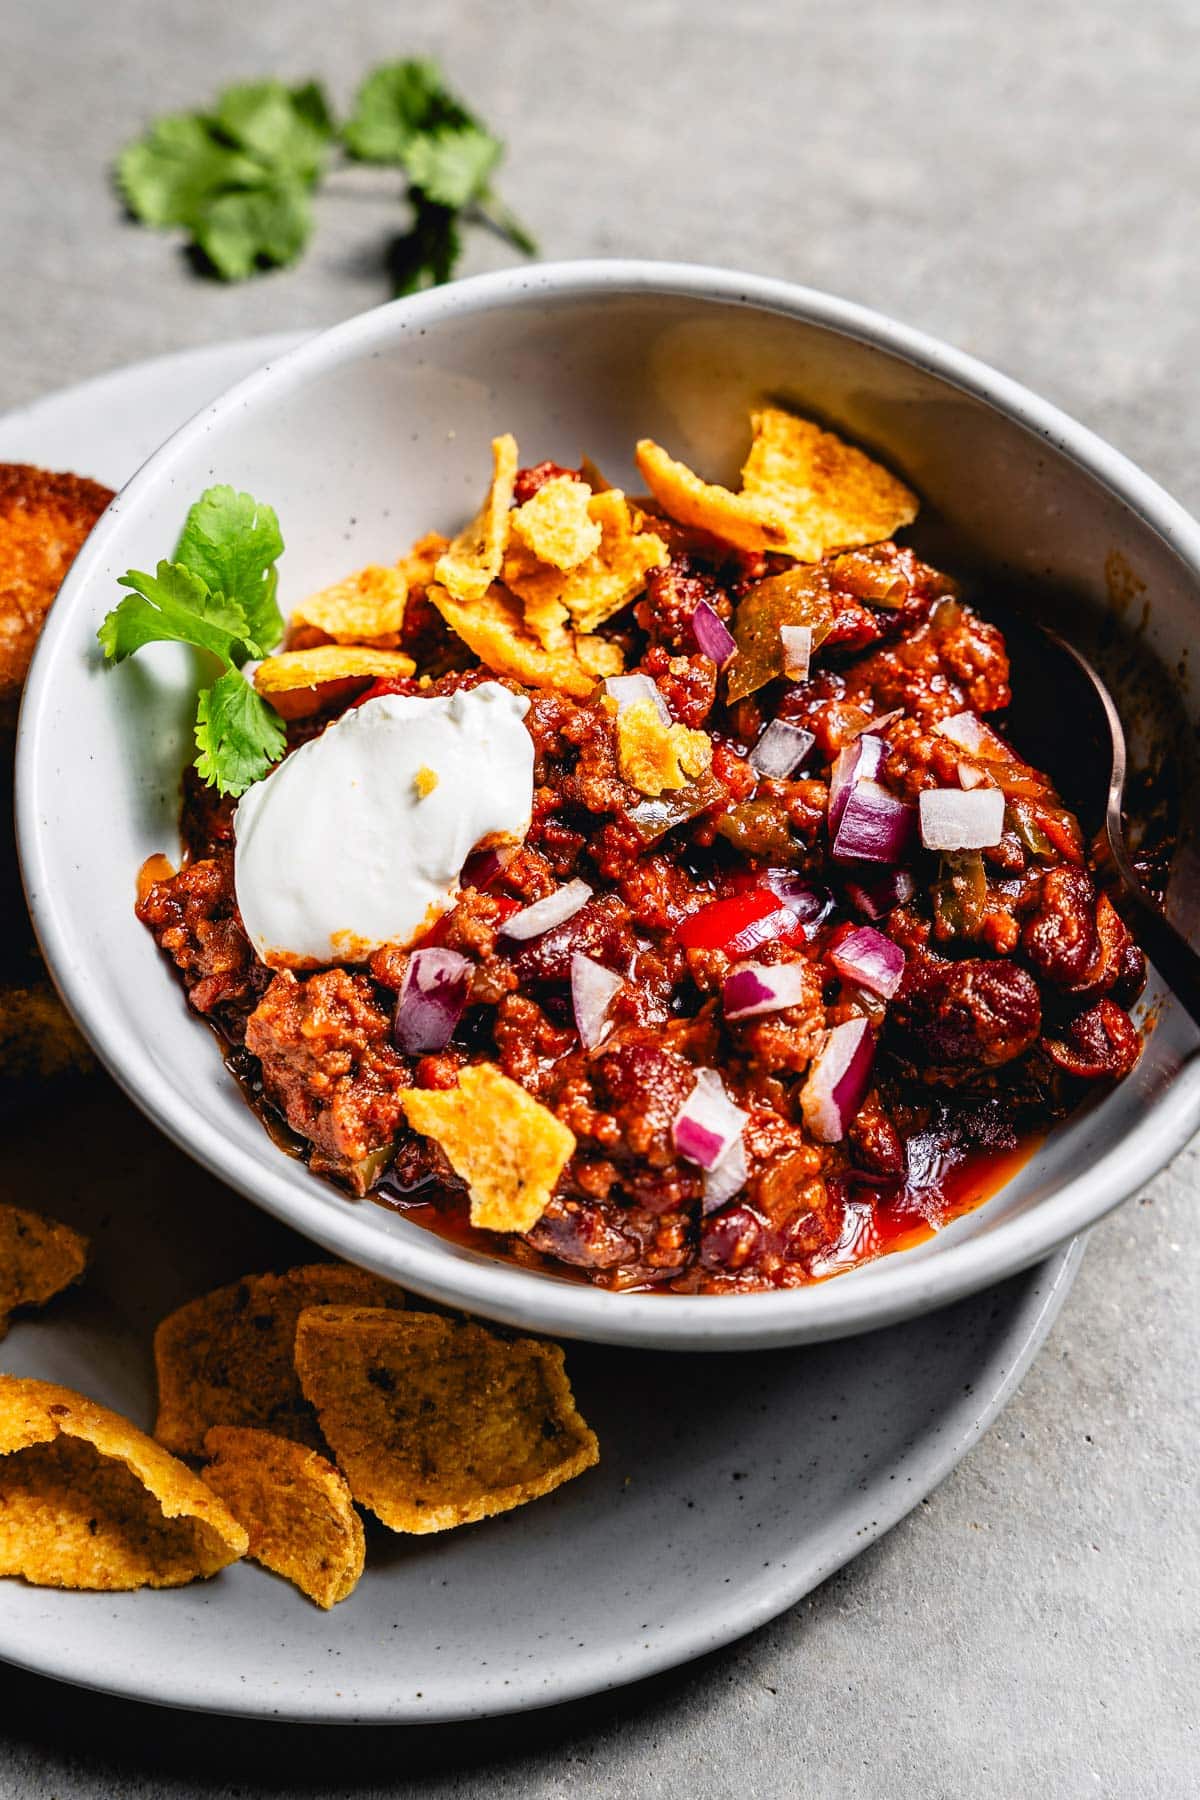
x,y
169,176
312,103
230,542
172,606
238,177
425,255
396,103
287,130
238,735
451,165
219,594
265,225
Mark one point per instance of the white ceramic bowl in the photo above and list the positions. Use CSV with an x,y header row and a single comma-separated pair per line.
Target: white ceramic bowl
x,y
378,430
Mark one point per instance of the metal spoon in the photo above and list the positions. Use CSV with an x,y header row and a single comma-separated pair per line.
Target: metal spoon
x,y
1058,695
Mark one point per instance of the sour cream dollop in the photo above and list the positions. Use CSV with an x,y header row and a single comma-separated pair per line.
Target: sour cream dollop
x,y
358,838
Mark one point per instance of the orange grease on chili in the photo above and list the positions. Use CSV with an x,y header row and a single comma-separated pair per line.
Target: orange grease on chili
x,y
875,1222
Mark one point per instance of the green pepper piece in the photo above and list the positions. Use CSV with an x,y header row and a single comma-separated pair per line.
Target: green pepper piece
x,y
960,895
652,818
798,596
756,829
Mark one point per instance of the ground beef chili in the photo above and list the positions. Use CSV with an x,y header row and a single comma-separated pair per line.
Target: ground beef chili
x,y
1016,977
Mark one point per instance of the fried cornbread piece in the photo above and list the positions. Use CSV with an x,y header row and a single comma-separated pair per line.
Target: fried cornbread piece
x,y
367,608
555,527
38,1259
89,1501
294,1505
604,579
508,1148
38,1038
804,491
44,519
435,1422
654,757
299,683
472,562
226,1357
494,628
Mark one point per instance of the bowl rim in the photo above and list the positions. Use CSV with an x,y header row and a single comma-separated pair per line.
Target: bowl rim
x,y
878,1294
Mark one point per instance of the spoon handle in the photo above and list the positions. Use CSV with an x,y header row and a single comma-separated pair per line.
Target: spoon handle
x,y
1167,948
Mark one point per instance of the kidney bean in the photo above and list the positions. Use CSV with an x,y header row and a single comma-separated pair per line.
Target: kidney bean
x,y
959,1017
529,480
729,1239
1102,1044
600,930
1060,939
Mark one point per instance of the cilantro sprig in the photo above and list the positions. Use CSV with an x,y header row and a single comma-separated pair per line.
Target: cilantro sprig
x,y
239,177
218,594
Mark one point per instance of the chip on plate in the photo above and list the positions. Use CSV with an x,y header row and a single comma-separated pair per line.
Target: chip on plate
x,y
38,1258
494,628
294,1506
367,608
88,1501
437,1423
607,579
38,1037
471,564
508,1148
301,682
44,518
226,1358
804,492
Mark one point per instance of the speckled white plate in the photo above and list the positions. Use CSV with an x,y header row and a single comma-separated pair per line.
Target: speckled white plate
x,y
726,1489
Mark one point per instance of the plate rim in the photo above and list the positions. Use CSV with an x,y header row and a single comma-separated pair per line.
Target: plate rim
x,y
1035,1316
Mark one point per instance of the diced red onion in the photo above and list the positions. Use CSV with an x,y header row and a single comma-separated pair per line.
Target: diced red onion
x,y
838,1080
482,866
796,641
970,777
593,989
627,690
887,718
871,960
882,893
808,904
954,820
970,733
860,760
708,1124
874,827
755,988
780,749
543,915
727,1179
712,636
433,998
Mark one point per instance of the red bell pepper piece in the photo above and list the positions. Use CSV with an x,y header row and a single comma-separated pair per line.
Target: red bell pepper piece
x,y
739,924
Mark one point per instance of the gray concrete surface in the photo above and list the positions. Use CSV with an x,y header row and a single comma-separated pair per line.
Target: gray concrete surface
x,y
1021,179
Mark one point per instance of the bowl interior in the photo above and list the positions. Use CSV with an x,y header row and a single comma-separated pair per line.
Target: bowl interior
x,y
378,432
